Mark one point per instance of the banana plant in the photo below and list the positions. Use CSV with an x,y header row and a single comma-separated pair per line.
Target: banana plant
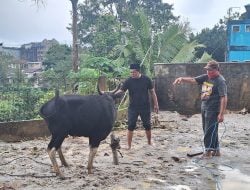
x,y
170,45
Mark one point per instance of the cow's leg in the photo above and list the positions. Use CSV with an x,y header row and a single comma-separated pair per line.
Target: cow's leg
x,y
52,156
92,153
54,144
93,146
115,144
63,161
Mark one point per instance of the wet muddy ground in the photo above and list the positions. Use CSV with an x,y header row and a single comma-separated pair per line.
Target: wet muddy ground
x,y
165,165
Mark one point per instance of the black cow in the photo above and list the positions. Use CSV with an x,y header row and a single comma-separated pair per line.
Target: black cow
x,y
90,116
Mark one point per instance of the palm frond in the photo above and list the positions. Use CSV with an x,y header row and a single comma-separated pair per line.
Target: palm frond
x,y
204,58
186,53
141,28
172,41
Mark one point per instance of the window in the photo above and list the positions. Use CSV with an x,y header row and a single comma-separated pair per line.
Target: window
x,y
236,28
247,28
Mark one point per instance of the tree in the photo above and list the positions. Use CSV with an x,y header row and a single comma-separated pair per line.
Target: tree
x,y
56,55
122,30
105,37
57,62
172,45
5,70
75,63
158,14
214,41
74,29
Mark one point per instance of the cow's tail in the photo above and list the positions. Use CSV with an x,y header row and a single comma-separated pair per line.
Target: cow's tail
x,y
41,111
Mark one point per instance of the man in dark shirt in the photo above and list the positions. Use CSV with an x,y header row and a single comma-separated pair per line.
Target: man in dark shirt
x,y
138,86
214,102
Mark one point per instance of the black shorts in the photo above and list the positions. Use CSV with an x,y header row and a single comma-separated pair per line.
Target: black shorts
x,y
133,116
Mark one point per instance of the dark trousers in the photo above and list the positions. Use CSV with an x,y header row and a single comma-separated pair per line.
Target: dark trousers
x,y
133,116
210,129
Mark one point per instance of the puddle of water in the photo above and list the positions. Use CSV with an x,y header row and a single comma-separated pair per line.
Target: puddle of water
x,y
190,168
180,187
155,180
234,179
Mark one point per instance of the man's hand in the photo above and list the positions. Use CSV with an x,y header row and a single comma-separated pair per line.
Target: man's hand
x,y
189,80
220,118
177,81
156,109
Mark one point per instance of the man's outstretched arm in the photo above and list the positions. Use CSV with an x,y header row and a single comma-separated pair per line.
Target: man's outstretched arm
x,y
180,80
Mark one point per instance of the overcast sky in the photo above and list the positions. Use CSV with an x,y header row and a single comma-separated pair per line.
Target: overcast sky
x,y
22,22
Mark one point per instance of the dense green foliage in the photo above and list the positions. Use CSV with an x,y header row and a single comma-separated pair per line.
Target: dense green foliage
x,y
19,103
4,62
125,32
214,40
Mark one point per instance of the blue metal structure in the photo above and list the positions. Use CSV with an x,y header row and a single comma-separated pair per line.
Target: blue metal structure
x,y
238,39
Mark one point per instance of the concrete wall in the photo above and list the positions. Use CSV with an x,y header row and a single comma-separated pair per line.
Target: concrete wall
x,y
23,130
185,98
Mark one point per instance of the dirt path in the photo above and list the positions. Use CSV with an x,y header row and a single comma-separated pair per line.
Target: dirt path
x,y
143,167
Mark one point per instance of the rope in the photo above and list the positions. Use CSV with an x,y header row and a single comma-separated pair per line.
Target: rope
x,y
26,175
209,169
123,99
24,158
215,124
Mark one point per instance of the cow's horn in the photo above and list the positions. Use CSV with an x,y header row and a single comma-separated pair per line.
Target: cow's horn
x,y
116,89
101,85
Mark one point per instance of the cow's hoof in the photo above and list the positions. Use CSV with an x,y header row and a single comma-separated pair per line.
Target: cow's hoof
x,y
65,164
90,171
61,176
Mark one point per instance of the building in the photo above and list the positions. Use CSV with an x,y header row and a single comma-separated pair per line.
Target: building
x,y
31,52
35,51
12,51
31,69
29,57
238,38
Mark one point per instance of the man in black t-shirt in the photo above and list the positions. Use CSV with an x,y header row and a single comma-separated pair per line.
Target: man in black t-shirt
x,y
138,86
213,104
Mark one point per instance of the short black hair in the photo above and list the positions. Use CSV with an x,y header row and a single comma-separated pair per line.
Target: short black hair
x,y
135,66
